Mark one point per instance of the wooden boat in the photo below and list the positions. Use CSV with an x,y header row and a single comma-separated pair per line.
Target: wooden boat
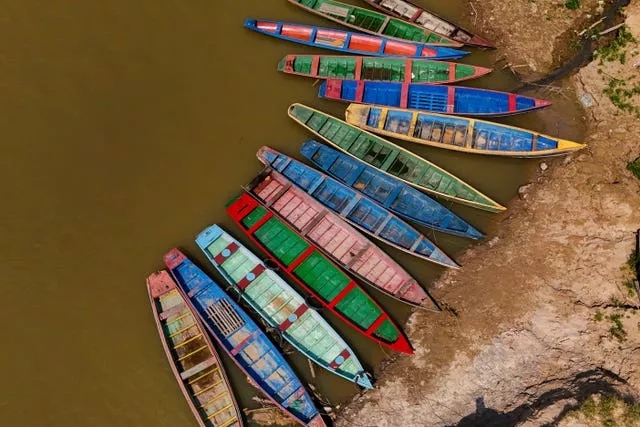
x,y
359,211
396,196
314,272
281,306
350,42
372,22
371,68
457,133
455,100
193,359
243,341
411,12
336,238
390,158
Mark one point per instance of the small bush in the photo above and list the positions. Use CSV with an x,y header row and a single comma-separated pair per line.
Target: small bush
x,y
607,405
632,412
634,167
598,316
617,330
588,407
572,4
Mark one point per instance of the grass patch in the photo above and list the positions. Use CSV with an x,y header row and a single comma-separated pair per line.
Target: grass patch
x,y
634,167
615,51
572,4
588,407
631,288
617,330
632,412
598,316
607,405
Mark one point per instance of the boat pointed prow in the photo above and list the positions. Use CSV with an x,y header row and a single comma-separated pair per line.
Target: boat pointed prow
x,y
160,283
363,380
173,258
566,145
266,155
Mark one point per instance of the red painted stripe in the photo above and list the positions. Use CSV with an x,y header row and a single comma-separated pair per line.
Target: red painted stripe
x,y
404,95
358,71
242,284
451,98
376,324
298,313
342,294
260,223
416,15
235,350
334,89
289,62
232,248
241,207
301,258
512,102
345,355
314,66
408,70
452,71
359,91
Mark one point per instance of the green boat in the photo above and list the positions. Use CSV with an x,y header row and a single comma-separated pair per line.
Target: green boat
x,y
379,69
390,158
372,22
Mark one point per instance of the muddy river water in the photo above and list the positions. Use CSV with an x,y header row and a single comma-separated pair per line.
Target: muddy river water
x,y
126,127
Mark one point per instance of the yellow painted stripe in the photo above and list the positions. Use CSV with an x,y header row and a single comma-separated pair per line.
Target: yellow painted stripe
x,y
229,421
208,388
179,331
185,342
469,141
182,316
203,375
209,402
192,353
412,126
383,118
219,411
168,295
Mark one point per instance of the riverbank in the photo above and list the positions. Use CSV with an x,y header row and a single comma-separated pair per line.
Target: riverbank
x,y
542,315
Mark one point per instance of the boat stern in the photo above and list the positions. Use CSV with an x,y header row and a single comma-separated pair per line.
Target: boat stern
x,y
159,283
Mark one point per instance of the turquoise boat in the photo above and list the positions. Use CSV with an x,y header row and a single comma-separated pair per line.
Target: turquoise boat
x,y
280,305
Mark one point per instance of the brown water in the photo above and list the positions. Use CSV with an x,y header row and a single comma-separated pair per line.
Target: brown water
x,y
126,127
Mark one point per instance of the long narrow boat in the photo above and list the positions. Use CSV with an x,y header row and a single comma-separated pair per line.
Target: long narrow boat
x,y
280,305
456,100
457,133
372,22
390,158
314,272
336,238
357,210
398,197
350,42
371,68
243,341
413,13
193,359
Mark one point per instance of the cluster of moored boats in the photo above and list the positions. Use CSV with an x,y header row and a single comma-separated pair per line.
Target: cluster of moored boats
x,y
316,223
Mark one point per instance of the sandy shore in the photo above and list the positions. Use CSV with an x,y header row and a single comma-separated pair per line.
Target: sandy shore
x,y
541,317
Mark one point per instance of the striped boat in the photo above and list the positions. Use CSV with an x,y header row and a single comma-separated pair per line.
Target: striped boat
x,y
456,100
192,357
280,305
371,68
350,42
243,341
311,270
457,133
336,238
398,197
372,22
411,12
390,158
359,211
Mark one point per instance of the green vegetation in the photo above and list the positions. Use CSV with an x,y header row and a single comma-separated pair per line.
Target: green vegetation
x,y
607,405
616,49
617,330
605,412
598,316
621,95
572,4
634,167
588,407
631,288
632,412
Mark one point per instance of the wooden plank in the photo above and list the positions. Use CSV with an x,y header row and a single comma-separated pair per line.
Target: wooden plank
x,y
358,71
187,341
451,99
185,375
314,66
176,309
315,221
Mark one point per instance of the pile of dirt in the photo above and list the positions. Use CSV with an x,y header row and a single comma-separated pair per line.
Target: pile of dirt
x,y
541,316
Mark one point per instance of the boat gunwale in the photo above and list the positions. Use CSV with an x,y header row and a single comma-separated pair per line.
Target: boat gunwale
x,y
402,339
511,154
495,208
453,43
288,288
165,345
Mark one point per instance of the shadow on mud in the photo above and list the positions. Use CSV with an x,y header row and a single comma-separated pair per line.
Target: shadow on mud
x,y
576,391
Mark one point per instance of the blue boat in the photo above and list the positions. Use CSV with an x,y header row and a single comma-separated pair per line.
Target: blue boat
x,y
281,306
243,341
358,210
400,198
351,42
466,101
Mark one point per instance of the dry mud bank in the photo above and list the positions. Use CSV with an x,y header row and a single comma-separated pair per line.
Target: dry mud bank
x,y
540,316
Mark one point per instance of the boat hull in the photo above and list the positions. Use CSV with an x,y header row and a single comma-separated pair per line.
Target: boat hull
x,y
456,100
350,42
390,158
310,269
456,133
280,305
